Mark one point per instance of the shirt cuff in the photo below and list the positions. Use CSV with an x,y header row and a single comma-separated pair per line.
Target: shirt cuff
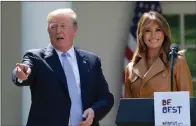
x,y
19,81
15,78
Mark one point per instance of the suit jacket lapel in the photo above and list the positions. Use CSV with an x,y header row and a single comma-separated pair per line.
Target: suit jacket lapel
x,y
83,66
53,61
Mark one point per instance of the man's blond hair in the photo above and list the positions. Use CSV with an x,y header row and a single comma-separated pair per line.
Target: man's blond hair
x,y
64,11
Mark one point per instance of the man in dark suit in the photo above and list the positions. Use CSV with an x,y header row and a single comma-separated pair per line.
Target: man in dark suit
x,y
67,84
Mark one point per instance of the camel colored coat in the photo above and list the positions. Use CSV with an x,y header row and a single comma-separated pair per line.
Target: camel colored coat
x,y
141,82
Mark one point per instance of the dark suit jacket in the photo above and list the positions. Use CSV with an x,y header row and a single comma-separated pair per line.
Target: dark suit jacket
x,y
49,92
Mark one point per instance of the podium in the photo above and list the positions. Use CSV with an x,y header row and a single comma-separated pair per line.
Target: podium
x,y
140,112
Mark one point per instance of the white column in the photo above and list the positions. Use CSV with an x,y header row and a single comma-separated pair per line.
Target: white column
x,y
34,35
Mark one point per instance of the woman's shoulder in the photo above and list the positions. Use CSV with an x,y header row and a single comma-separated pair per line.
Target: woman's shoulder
x,y
181,58
129,66
181,55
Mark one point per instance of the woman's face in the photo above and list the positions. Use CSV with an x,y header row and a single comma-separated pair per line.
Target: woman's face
x,y
153,35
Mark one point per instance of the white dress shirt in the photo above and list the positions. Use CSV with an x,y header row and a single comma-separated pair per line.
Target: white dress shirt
x,y
73,61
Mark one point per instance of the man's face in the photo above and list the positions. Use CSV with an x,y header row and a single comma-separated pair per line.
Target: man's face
x,y
62,32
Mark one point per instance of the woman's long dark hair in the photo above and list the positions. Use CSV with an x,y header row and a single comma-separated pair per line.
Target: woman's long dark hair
x,y
147,18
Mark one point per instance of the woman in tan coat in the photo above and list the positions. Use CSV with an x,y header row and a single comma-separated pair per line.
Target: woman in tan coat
x,y
149,70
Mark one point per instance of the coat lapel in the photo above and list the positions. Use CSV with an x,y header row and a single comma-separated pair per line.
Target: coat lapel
x,y
53,61
157,67
140,68
83,66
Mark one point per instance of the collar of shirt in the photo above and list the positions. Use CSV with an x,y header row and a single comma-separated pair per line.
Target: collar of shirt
x,y
70,51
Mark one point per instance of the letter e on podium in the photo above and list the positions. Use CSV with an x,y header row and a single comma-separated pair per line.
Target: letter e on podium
x,y
172,108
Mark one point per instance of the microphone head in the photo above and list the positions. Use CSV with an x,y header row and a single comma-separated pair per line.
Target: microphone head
x,y
174,47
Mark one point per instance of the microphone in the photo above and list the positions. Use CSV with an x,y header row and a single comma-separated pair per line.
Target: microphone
x,y
174,49
173,54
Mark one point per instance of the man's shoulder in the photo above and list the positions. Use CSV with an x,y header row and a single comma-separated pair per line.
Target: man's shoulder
x,y
86,53
34,50
37,52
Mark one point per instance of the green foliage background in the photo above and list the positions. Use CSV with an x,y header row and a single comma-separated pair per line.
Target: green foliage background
x,y
190,39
